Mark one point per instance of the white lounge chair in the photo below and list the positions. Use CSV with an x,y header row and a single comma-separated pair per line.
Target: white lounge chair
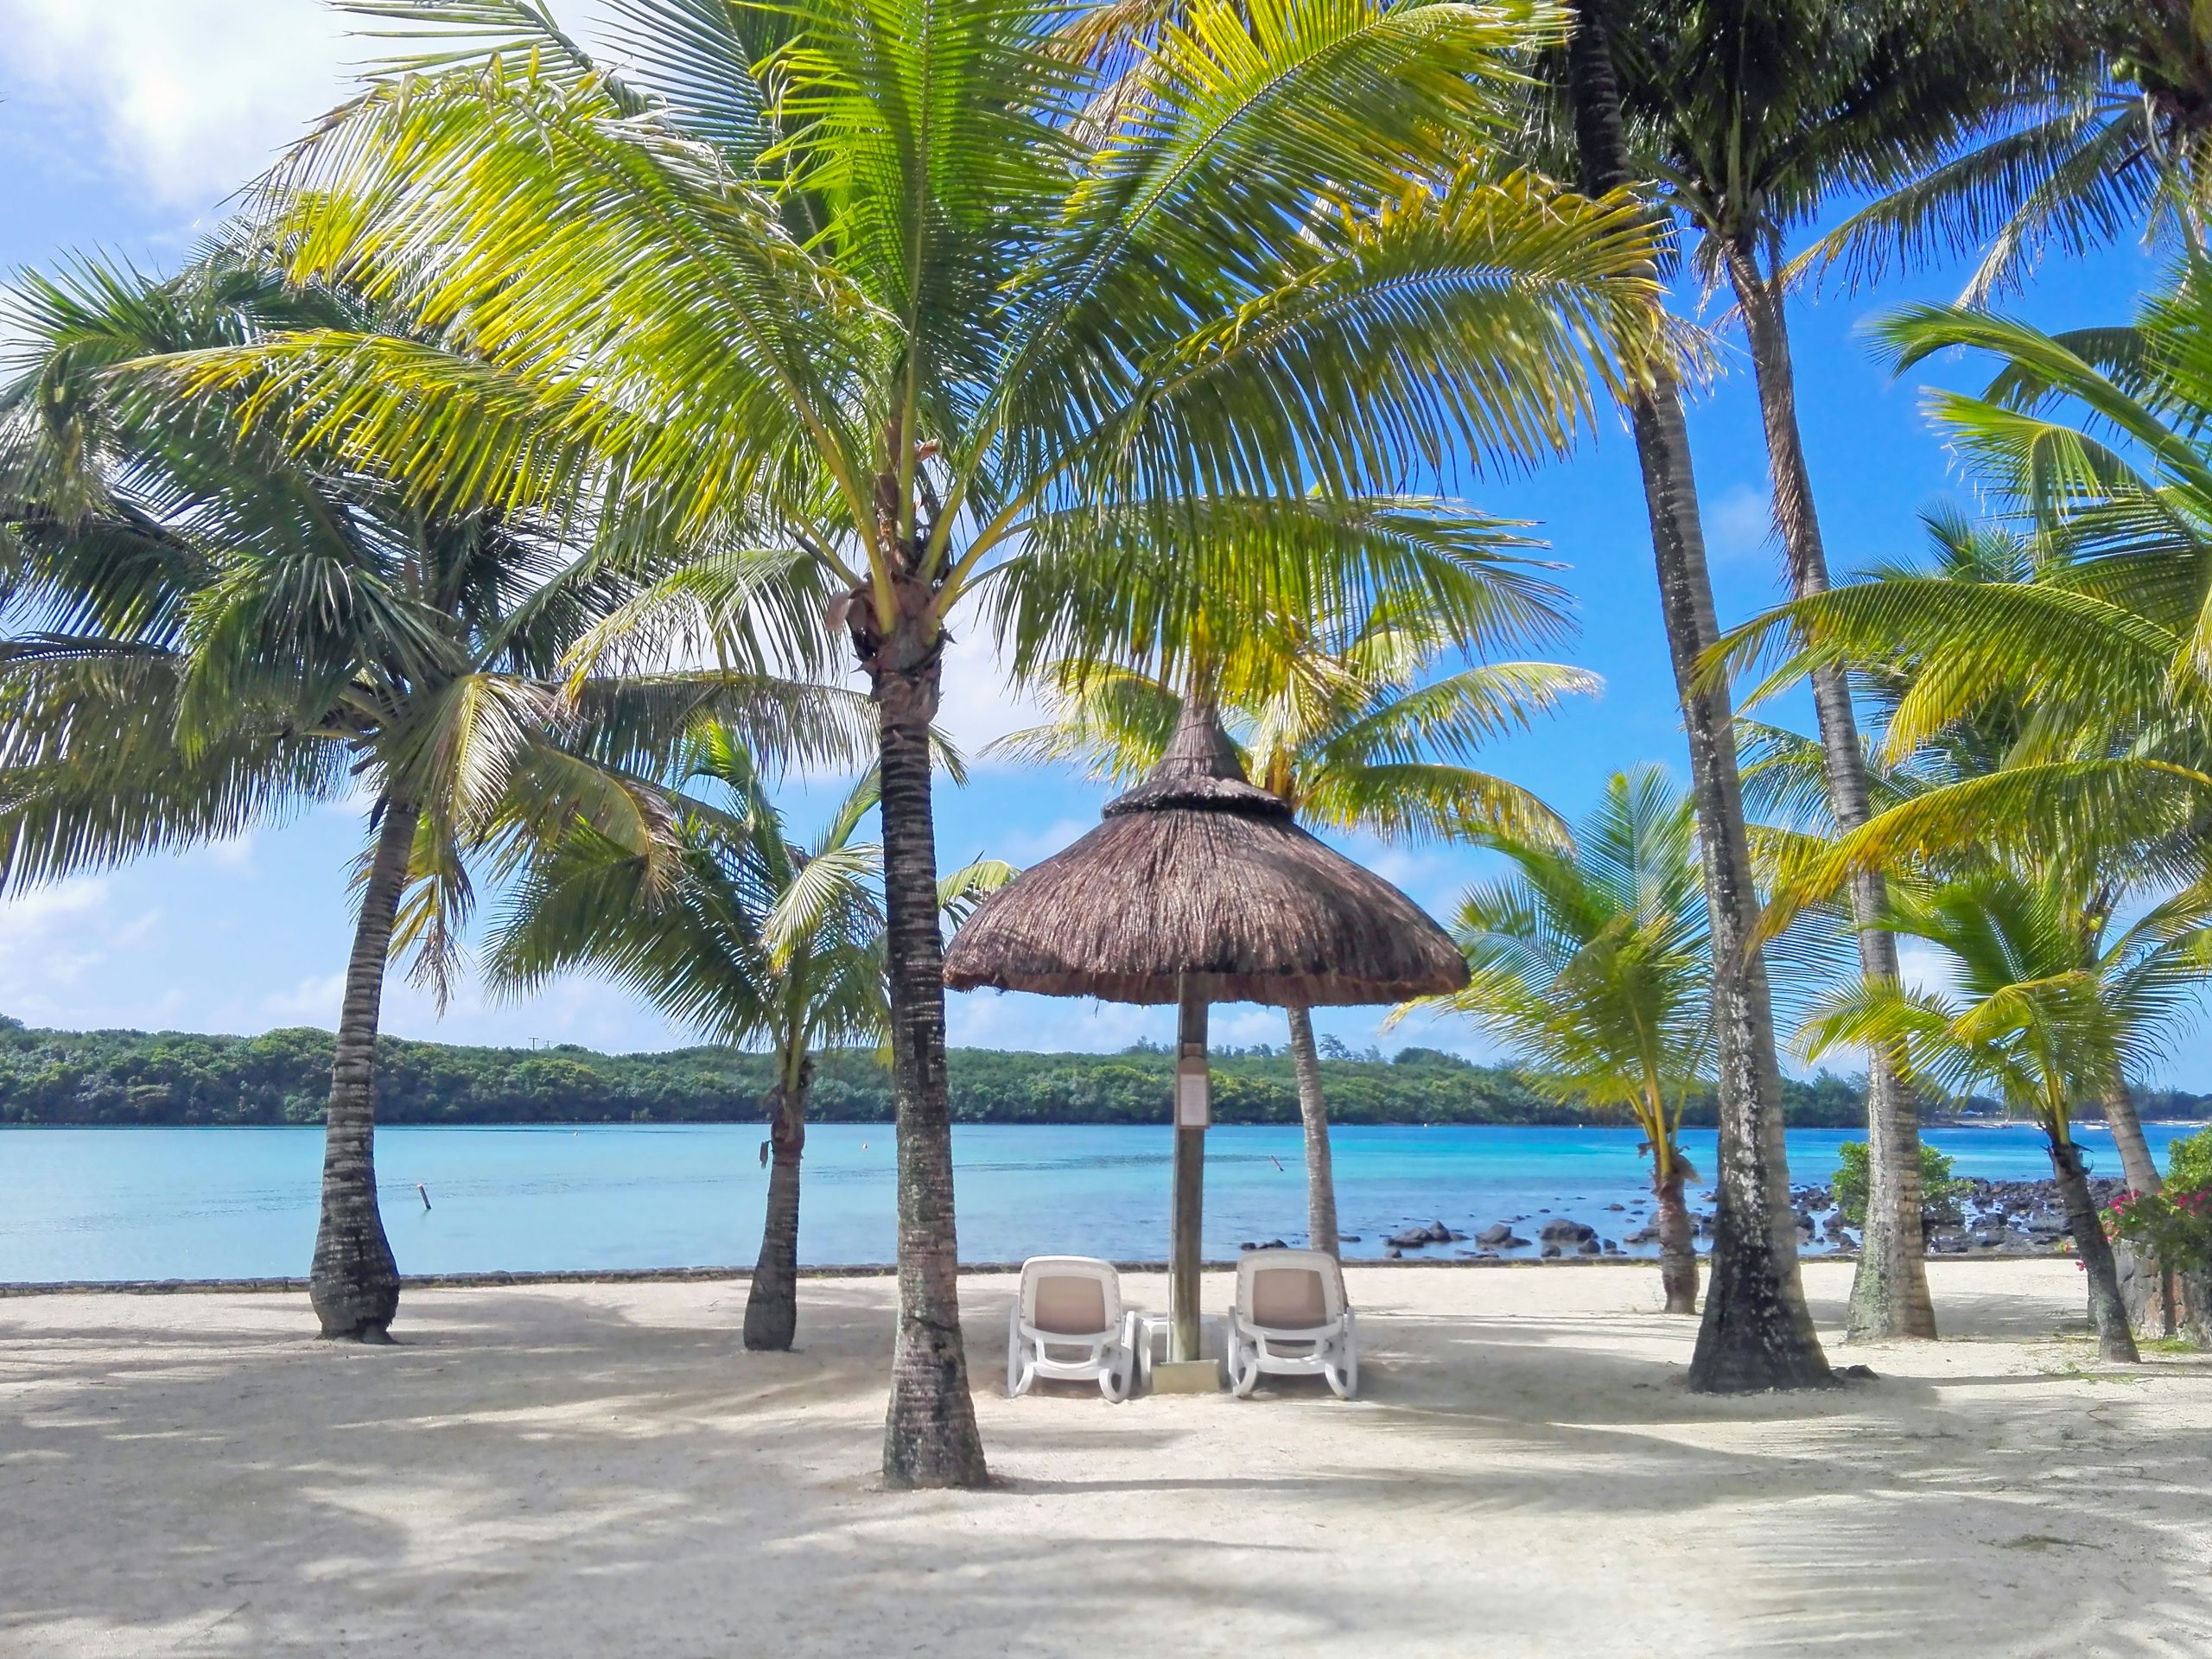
x,y
1068,1322
1290,1320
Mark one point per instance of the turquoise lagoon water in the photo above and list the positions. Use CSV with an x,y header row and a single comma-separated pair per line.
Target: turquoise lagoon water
x,y
157,1203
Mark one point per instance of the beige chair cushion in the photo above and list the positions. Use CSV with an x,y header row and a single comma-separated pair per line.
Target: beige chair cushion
x,y
1069,1307
1289,1298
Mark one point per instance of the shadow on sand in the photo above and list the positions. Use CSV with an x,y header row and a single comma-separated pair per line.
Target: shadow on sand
x,y
599,1470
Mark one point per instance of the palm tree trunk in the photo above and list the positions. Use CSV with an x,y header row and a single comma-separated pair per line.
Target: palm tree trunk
x,y
771,1300
1889,1292
1677,1240
2135,1160
2152,1296
930,1437
354,1283
2106,1311
1758,1333
1313,1110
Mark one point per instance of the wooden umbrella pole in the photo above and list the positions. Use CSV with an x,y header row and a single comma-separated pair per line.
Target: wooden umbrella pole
x,y
1189,1173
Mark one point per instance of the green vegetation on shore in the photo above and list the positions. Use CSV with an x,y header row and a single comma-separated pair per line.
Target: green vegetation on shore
x,y
152,1078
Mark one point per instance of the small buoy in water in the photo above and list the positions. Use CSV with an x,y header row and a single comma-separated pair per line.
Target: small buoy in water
x,y
425,1193
863,1146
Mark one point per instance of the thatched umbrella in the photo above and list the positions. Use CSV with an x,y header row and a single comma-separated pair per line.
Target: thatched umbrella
x,y
1199,888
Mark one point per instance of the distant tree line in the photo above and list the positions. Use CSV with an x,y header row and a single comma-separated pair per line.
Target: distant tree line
x,y
131,1077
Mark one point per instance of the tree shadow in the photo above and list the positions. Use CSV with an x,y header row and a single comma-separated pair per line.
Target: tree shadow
x,y
589,1469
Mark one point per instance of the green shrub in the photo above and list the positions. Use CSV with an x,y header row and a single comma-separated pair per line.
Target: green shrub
x,y
2189,1160
1937,1185
2174,1226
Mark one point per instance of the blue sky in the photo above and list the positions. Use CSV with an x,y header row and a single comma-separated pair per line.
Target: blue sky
x,y
124,125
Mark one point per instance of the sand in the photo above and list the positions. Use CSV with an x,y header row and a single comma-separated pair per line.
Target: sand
x,y
601,1470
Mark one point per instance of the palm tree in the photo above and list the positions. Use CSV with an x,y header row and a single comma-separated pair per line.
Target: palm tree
x,y
1345,724
1758,1333
759,939
1593,962
213,632
2107,129
1749,118
2062,683
2053,1003
912,298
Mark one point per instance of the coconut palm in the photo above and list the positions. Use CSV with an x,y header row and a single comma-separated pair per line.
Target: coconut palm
x,y
912,297
1749,119
2074,658
2088,653
760,939
212,631
1345,724
2052,1003
1757,1331
1594,963
2109,131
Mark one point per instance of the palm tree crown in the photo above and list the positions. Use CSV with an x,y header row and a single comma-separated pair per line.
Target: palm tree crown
x,y
1593,962
898,305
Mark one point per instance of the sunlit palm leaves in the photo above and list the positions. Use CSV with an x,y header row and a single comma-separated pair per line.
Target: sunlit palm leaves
x,y
2050,1001
2068,654
1592,960
215,631
1228,292
1344,723
2105,134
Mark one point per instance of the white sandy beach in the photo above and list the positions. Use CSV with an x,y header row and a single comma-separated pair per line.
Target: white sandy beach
x,y
598,1469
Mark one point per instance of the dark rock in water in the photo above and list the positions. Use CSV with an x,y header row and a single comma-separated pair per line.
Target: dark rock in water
x,y
1247,1245
1551,1251
1588,1247
1561,1231
1347,1238
1274,1244
1413,1238
1617,1206
1390,1253
1482,1255
1612,1248
1496,1233
1642,1235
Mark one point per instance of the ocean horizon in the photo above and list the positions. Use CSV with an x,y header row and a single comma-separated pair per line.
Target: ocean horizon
x,y
148,1203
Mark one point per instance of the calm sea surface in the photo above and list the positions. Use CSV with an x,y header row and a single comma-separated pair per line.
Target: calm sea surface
x,y
158,1203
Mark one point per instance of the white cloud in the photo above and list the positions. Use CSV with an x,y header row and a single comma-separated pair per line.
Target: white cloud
x,y
235,854
1013,1020
1739,524
1023,847
1925,968
187,98
980,701
54,938
1431,877
313,1002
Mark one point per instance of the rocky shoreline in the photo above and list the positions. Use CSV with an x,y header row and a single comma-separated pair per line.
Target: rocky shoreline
x,y
1999,1217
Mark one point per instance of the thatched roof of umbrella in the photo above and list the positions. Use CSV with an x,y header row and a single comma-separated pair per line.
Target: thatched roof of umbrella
x,y
1195,872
